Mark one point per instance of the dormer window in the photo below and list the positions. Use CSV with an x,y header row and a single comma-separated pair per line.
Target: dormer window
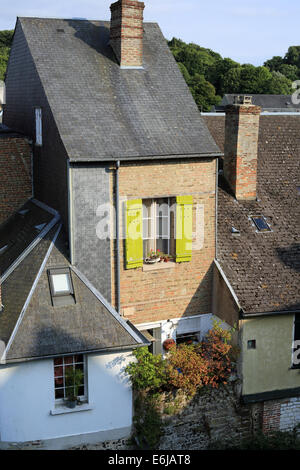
x,y
61,287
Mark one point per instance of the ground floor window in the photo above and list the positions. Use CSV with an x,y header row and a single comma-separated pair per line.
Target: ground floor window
x,y
188,338
67,370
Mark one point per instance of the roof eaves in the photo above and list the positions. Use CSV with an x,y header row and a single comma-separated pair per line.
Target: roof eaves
x,y
147,157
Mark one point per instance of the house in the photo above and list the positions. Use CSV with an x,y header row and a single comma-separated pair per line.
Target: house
x,y
268,103
126,167
257,268
15,171
52,320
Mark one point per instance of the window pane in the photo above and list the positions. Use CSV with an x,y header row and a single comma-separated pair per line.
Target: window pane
x,y
59,393
61,283
78,358
162,227
69,360
58,361
146,228
162,245
162,207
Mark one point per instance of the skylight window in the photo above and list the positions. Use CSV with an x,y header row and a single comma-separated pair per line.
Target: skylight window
x,y
298,189
61,284
61,287
261,224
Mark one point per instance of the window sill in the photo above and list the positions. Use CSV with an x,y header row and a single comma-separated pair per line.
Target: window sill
x,y
158,266
62,409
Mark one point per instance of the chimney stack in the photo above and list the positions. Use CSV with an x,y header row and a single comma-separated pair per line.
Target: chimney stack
x,y
241,146
126,32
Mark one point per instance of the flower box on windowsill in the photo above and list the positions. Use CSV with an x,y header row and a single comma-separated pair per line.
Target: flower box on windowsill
x,y
152,260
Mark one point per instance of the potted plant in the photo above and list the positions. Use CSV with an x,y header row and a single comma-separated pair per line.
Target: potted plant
x,y
153,257
73,380
165,258
169,343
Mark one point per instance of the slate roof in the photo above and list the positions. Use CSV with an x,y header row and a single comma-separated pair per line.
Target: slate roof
x,y
105,113
264,268
270,103
30,327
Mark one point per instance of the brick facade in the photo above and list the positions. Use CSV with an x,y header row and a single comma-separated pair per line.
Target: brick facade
x,y
126,32
15,174
241,146
281,415
178,289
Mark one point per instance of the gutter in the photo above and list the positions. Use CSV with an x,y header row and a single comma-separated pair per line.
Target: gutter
x,y
246,316
117,202
216,211
111,158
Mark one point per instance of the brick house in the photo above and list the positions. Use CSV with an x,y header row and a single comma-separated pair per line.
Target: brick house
x,y
123,156
15,171
257,267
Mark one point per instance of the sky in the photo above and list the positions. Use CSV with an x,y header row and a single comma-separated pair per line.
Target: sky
x,y
248,31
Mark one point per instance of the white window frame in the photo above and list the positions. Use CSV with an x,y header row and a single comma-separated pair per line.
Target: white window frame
x,y
153,223
83,398
38,127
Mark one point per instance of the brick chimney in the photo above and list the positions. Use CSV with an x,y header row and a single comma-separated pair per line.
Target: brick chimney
x,y
126,32
241,145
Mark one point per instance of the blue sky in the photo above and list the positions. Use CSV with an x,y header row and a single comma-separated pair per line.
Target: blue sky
x,y
249,31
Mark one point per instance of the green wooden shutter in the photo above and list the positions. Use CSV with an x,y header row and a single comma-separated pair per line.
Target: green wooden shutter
x,y
134,234
184,228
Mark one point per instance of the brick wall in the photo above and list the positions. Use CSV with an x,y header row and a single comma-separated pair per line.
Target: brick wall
x,y
181,289
281,415
241,145
15,174
126,32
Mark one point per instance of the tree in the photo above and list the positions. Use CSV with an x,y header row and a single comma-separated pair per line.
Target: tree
x,y
289,71
274,63
280,85
292,56
5,43
204,93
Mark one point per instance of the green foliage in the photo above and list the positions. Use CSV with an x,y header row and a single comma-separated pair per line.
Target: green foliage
x,y
273,441
186,367
147,421
148,372
73,380
209,76
5,43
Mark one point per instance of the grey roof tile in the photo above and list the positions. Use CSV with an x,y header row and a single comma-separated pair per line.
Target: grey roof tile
x,y
264,268
103,112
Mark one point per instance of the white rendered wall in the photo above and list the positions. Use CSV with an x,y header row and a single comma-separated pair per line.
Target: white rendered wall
x,y
198,323
27,398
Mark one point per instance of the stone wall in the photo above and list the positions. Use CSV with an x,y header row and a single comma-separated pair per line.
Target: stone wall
x,y
213,415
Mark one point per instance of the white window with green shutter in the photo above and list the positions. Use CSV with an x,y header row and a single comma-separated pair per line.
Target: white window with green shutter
x,y
162,225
